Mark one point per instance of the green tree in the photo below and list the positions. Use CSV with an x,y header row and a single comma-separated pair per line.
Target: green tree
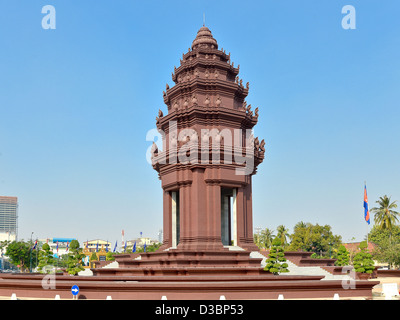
x,y
387,244
343,256
282,234
110,256
74,258
314,238
385,216
362,261
276,262
45,258
21,254
264,239
93,256
3,245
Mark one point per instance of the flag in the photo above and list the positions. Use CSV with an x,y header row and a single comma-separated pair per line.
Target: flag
x,y
107,246
34,247
144,247
366,211
115,247
87,243
97,247
134,248
125,246
66,250
57,247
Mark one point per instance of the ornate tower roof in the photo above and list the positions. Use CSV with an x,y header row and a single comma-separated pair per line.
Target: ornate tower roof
x,y
207,94
204,36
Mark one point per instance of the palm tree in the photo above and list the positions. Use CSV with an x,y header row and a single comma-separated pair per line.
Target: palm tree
x,y
385,216
282,234
266,238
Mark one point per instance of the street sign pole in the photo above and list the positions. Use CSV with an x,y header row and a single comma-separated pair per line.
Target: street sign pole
x,y
75,291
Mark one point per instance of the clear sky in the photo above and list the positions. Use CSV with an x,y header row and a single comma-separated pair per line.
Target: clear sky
x,y
76,104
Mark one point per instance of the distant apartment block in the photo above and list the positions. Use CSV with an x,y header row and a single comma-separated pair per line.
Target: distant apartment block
x,y
8,218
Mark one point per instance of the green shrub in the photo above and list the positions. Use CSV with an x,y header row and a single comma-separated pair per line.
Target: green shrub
x,y
343,257
362,261
276,262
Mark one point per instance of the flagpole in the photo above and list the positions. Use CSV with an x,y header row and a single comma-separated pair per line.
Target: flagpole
x,y
365,186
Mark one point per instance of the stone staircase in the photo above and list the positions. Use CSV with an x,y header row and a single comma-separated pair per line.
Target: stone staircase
x,y
303,270
232,260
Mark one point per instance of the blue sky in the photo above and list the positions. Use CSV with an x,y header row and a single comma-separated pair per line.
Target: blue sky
x,y
76,104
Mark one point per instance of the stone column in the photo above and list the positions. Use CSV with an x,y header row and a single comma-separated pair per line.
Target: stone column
x,y
166,220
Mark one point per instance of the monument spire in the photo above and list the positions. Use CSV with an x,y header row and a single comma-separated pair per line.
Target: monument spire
x,y
207,204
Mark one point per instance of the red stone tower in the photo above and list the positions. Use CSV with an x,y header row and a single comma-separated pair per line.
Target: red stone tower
x,y
209,154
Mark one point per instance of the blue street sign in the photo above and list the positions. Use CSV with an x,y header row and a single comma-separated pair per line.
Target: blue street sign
x,y
75,290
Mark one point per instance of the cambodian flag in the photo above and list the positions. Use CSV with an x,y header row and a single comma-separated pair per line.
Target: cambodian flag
x,y
34,247
366,211
134,248
66,250
115,247
57,246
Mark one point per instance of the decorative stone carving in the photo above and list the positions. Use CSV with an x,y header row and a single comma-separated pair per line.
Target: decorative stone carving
x,y
186,103
249,112
154,150
262,144
173,140
207,101
218,101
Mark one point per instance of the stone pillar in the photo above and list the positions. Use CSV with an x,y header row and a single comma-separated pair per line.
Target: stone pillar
x,y
213,213
166,220
244,219
200,214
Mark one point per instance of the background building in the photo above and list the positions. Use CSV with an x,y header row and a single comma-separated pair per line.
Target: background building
x,y
96,245
8,218
57,245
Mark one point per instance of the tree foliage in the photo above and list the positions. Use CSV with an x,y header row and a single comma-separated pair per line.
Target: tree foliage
x,y
313,238
45,259
20,254
343,256
74,258
264,239
276,262
282,234
387,244
385,215
362,260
